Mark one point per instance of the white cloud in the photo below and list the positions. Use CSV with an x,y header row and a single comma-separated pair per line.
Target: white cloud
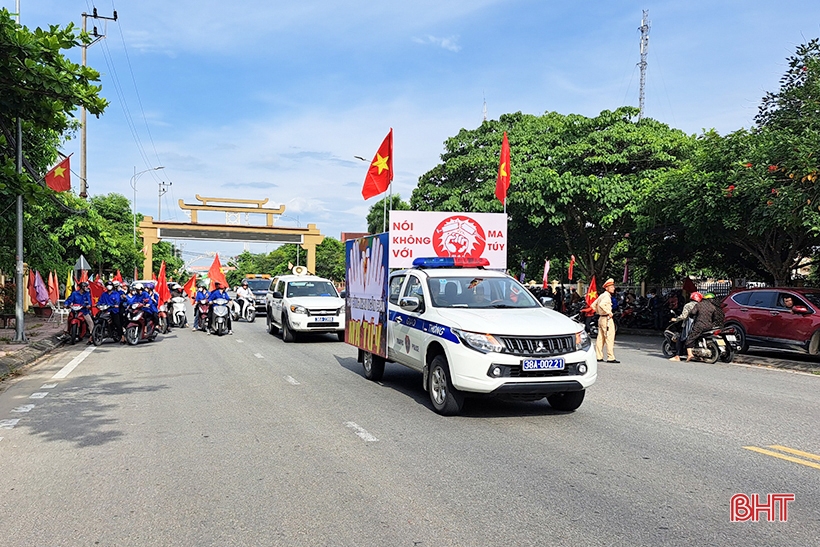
x,y
450,43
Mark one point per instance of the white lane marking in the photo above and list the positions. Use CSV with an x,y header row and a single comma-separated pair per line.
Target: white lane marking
x,y
66,370
361,432
38,395
291,380
240,341
9,424
1,438
23,408
48,386
258,355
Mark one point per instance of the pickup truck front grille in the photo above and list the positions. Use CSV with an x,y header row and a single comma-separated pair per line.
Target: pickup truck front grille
x,y
323,313
538,346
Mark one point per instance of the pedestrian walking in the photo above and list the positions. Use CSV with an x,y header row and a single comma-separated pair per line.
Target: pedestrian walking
x,y
606,325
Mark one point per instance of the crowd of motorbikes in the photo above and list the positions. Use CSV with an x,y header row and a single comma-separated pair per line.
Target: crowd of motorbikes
x,y
630,312
137,324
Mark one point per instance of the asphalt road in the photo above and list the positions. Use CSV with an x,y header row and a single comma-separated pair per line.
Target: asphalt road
x,y
245,440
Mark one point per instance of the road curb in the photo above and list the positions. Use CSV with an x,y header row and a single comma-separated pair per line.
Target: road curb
x,y
781,364
10,363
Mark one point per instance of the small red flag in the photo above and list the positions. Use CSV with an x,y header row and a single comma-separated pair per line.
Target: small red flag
x,y
215,274
571,266
96,289
83,276
592,292
546,274
118,276
502,183
381,169
190,288
163,293
59,178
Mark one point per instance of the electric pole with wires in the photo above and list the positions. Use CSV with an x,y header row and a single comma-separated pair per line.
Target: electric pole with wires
x,y
83,132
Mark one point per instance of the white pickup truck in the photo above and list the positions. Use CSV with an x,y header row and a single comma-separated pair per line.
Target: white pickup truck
x,y
476,332
304,303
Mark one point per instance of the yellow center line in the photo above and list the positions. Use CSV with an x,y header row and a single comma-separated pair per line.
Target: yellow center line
x,y
796,452
782,456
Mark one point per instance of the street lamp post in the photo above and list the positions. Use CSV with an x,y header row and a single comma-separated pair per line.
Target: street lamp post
x,y
134,202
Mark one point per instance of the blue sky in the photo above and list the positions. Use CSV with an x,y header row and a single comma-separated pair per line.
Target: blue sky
x,y
260,99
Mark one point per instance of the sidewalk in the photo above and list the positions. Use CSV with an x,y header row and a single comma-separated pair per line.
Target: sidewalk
x,y
41,338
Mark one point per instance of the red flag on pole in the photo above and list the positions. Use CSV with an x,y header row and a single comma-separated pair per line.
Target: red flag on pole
x,y
215,274
53,288
59,178
189,288
502,183
546,274
163,293
96,289
381,169
118,276
83,276
571,266
592,293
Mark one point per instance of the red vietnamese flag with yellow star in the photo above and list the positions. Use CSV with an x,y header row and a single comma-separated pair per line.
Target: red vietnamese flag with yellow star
x,y
59,178
216,273
381,169
502,183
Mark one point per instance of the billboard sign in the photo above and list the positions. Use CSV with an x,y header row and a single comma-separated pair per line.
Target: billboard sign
x,y
366,273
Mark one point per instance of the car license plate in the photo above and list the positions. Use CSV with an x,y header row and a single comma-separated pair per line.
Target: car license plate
x,y
323,319
542,364
731,337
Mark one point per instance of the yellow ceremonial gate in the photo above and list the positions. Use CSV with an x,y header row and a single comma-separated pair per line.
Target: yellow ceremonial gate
x,y
155,231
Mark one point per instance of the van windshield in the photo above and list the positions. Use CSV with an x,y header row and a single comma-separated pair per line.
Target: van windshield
x,y
479,292
311,288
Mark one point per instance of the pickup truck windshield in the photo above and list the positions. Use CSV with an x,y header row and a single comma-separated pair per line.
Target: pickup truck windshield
x,y
310,288
478,292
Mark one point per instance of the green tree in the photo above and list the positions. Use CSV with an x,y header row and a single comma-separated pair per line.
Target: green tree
x,y
376,215
577,183
165,251
42,88
330,261
758,189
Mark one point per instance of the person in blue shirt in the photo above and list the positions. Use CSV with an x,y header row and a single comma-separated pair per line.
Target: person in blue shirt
x,y
111,297
141,295
82,297
201,294
218,292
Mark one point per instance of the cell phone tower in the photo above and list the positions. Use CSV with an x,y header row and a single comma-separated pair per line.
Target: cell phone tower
x,y
644,28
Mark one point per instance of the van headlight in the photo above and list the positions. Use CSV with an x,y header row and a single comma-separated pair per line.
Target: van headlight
x,y
582,341
485,343
298,309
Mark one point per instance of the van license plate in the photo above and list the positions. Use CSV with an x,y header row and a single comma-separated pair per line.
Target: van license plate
x,y
542,364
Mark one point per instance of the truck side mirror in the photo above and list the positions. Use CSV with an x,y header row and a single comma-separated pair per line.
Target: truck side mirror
x,y
343,294
409,303
277,295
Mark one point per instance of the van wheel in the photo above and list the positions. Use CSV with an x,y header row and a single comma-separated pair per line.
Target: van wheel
x,y
287,334
446,399
567,400
373,366
743,344
341,335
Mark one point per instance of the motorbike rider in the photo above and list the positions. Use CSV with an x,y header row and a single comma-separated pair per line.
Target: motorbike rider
x,y
202,294
218,292
82,297
141,295
685,322
245,297
112,297
708,315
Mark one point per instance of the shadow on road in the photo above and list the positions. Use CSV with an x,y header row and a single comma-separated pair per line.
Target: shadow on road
x,y
81,411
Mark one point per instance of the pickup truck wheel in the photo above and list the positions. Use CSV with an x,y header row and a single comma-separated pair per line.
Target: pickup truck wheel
x,y
446,399
287,334
341,335
566,401
373,366
272,329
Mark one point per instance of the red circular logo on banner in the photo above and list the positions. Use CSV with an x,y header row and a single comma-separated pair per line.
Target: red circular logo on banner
x,y
459,236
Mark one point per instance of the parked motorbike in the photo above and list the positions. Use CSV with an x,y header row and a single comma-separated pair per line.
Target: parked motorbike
x,y
220,314
248,308
202,307
176,312
711,345
730,344
591,326
138,327
77,328
103,327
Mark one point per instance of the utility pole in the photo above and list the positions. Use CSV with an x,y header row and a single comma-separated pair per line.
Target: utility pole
x,y
163,189
83,131
644,28
19,317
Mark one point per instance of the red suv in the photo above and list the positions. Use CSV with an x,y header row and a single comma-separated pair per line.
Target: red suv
x,y
776,318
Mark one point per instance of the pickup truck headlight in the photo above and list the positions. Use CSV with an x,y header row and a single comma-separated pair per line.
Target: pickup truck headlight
x,y
298,309
485,343
582,340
